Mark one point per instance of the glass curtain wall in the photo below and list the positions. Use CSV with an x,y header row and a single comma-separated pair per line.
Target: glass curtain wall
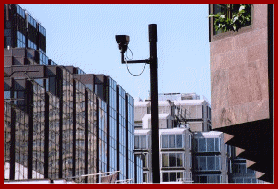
x,y
122,134
15,143
92,136
80,131
67,127
38,130
7,138
112,125
139,169
103,145
21,144
53,145
130,136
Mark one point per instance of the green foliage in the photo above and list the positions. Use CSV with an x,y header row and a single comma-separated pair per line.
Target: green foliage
x,y
234,18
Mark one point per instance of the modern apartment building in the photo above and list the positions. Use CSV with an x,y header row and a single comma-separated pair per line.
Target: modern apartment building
x,y
210,163
61,123
187,154
242,85
174,133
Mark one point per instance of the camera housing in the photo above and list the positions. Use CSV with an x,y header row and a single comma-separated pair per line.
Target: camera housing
x,y
122,41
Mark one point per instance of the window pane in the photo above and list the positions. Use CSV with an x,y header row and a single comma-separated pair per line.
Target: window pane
x,y
250,171
202,145
179,175
179,141
202,163
143,142
213,179
217,145
217,163
165,160
164,141
247,180
144,177
172,160
171,141
179,160
136,142
203,179
242,168
211,163
173,177
210,144
7,94
165,177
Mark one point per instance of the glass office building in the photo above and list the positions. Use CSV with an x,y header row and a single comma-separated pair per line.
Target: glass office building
x,y
122,157
70,123
22,30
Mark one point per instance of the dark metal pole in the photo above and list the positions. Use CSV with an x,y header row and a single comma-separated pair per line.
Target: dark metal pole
x,y
154,102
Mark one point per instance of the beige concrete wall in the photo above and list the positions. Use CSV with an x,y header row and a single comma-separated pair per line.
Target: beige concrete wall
x,y
239,73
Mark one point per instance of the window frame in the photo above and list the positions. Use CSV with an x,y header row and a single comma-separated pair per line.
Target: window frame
x,y
164,136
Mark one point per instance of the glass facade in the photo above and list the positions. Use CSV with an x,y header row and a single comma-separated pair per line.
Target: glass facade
x,y
7,138
139,169
43,58
70,129
92,135
53,136
130,136
15,143
38,130
20,11
103,143
122,134
113,129
21,40
67,124
79,130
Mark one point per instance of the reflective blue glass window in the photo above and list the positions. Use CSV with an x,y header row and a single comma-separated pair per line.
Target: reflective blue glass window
x,y
43,58
42,30
20,40
32,21
32,45
7,94
20,11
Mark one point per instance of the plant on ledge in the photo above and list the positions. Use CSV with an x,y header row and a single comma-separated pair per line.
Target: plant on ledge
x,y
232,17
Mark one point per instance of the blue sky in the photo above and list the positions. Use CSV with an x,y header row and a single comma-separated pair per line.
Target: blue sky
x,y
83,35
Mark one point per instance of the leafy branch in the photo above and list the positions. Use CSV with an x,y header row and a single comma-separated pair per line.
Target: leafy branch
x,y
234,18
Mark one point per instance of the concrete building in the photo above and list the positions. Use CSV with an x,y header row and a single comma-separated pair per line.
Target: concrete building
x,y
242,86
59,122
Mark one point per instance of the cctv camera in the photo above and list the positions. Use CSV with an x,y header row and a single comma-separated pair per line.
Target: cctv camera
x,y
122,41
